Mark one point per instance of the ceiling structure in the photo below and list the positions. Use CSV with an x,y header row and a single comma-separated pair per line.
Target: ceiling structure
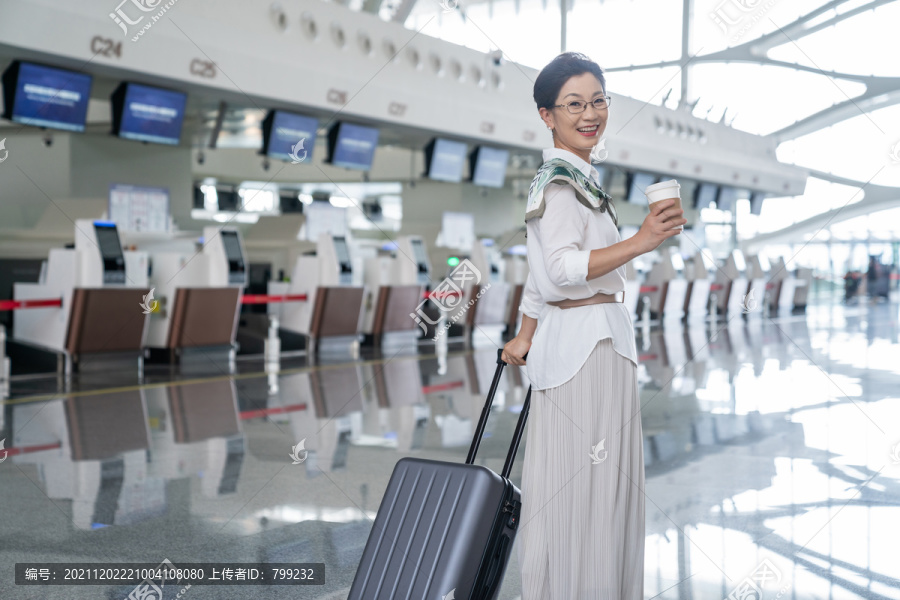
x,y
782,47
880,92
843,93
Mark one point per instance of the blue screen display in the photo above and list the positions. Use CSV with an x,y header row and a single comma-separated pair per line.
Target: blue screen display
x,y
727,198
490,167
355,146
292,137
706,194
639,183
48,97
152,114
447,160
756,202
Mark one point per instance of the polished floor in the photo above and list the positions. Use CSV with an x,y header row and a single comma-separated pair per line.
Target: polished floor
x,y
772,451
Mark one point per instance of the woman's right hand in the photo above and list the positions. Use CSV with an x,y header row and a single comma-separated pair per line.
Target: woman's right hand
x,y
661,224
514,351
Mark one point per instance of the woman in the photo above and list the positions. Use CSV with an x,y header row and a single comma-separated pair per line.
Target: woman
x,y
582,526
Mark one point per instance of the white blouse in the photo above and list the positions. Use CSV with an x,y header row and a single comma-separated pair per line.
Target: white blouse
x,y
559,245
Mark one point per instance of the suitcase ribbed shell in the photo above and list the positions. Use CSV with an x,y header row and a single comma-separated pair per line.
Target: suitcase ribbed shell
x,y
431,533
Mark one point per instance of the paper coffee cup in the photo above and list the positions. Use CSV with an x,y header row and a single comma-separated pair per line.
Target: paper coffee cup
x,y
665,190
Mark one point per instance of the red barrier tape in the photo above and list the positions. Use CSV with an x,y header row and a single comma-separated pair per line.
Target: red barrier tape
x,y
440,294
715,287
644,357
17,304
440,387
649,288
29,449
265,412
266,299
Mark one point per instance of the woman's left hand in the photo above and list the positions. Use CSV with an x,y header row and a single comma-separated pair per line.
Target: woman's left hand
x,y
515,350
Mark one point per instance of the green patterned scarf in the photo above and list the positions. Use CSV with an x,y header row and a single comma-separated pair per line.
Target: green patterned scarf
x,y
559,171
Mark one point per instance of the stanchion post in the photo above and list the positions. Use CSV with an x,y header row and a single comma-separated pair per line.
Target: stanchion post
x,y
4,374
272,350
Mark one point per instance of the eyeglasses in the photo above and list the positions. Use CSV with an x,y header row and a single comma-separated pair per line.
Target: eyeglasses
x,y
576,107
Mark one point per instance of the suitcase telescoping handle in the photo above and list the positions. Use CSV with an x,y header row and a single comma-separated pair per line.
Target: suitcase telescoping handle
x,y
486,412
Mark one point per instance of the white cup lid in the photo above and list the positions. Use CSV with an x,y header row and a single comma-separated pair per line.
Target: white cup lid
x,y
662,185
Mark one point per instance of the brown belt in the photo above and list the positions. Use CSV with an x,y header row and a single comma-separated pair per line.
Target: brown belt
x,y
595,299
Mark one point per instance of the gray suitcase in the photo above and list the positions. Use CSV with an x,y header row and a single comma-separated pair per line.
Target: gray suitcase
x,y
444,531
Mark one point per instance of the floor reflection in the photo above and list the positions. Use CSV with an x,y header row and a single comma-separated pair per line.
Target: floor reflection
x,y
773,443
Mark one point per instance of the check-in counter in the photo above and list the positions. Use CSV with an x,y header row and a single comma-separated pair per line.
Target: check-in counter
x,y
394,286
668,299
632,290
732,283
331,317
198,288
486,298
697,272
804,278
516,275
758,268
784,284
101,289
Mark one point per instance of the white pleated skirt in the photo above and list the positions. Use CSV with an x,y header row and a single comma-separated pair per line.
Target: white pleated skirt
x,y
582,523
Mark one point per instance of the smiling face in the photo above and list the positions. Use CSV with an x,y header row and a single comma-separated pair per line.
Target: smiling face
x,y
577,133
